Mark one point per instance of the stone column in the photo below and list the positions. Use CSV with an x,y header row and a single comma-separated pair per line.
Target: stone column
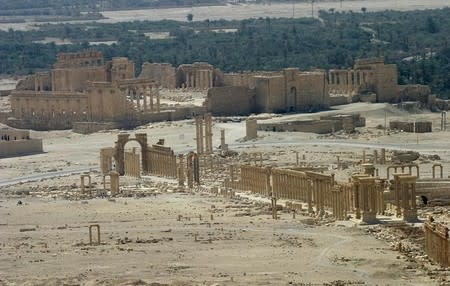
x,y
383,156
158,100
144,92
251,129
138,98
114,182
211,75
151,99
223,145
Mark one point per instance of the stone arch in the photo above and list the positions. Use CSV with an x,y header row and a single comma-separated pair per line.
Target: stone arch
x,y
119,154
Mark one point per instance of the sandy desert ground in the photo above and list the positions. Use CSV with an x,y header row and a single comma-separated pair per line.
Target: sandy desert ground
x,y
44,238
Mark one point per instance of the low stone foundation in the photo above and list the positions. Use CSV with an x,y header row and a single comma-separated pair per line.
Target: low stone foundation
x,y
92,127
417,127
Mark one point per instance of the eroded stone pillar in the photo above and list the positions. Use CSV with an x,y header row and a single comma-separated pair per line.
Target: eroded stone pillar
x,y
115,189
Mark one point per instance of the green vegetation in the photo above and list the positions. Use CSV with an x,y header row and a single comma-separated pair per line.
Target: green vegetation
x,y
73,7
417,41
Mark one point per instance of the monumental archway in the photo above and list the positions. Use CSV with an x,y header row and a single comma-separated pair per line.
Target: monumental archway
x,y
119,155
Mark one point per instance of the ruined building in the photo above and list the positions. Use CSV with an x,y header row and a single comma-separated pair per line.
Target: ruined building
x,y
198,75
289,90
372,80
78,89
292,90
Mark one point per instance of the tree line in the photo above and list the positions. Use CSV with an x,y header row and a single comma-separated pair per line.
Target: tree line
x,y
417,41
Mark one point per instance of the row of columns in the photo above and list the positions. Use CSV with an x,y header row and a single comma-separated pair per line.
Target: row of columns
x,y
346,79
200,79
256,179
377,159
292,185
162,161
132,164
146,92
203,130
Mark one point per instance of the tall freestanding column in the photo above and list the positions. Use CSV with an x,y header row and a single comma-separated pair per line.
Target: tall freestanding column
x,y
199,134
208,133
181,175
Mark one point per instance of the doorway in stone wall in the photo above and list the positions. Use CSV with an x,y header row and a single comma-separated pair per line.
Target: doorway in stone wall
x,y
291,104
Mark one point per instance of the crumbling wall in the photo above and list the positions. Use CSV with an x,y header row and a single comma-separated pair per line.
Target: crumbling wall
x,y
230,100
313,91
417,127
312,126
414,92
160,72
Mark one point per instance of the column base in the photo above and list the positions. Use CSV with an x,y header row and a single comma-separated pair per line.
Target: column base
x,y
410,216
369,218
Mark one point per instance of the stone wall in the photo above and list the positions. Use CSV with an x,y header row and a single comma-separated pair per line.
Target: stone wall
x,y
14,142
107,103
81,59
269,94
47,110
92,127
414,92
437,242
75,79
312,126
161,72
20,147
230,100
417,127
312,92
120,68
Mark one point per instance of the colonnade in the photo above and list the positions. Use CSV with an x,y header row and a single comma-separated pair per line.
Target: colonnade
x,y
256,179
162,161
292,185
132,164
145,97
346,81
199,79
437,242
364,194
203,130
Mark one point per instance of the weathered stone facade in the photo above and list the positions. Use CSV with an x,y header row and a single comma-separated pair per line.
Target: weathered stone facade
x,y
287,91
80,88
161,72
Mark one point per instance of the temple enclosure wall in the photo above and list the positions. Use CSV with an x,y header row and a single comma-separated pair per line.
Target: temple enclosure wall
x,y
237,100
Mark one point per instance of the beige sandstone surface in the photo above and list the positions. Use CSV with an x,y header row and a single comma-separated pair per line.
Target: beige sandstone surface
x,y
44,240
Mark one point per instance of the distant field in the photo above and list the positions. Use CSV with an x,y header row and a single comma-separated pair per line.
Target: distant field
x,y
239,12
